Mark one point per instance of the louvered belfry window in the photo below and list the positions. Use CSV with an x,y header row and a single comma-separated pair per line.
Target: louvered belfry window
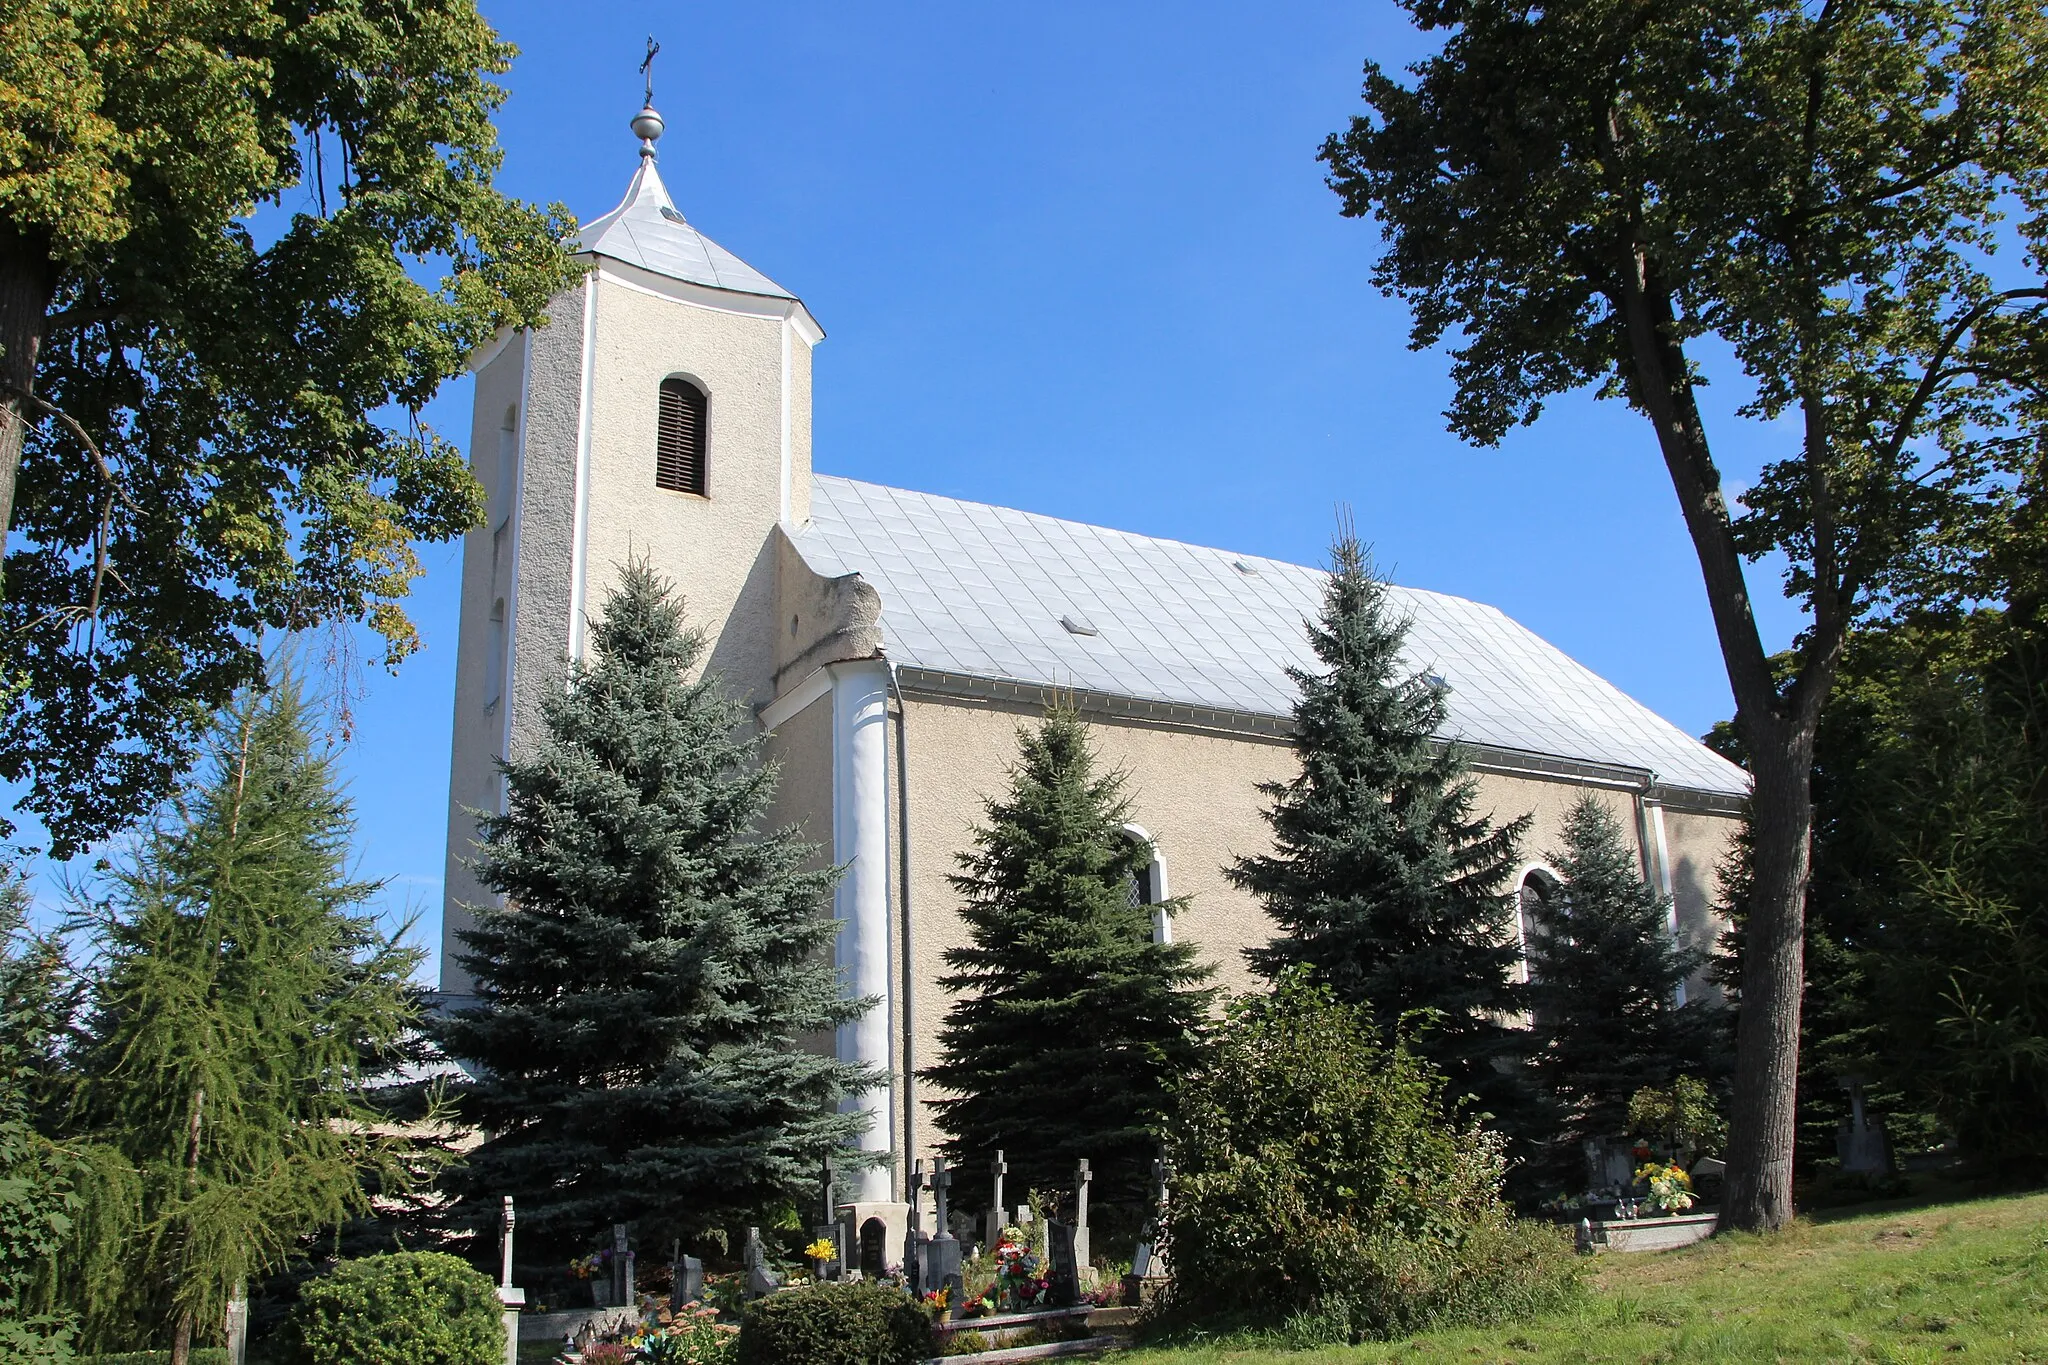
x,y
679,448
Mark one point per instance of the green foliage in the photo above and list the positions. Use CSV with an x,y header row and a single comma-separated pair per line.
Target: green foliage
x,y
643,995
1682,1115
1316,1181
1604,976
201,1355
836,1324
1383,880
1927,935
223,437
408,1308
1600,193
37,1198
1068,1021
245,1000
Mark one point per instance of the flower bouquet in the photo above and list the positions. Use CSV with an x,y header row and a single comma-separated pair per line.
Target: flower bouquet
x,y
1670,1187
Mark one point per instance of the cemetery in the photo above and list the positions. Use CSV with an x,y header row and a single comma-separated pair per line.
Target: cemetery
x,y
878,926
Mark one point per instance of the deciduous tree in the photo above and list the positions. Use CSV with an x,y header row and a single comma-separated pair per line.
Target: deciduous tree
x,y
1601,192
221,227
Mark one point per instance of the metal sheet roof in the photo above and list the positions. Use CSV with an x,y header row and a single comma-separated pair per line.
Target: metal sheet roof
x,y
647,230
995,593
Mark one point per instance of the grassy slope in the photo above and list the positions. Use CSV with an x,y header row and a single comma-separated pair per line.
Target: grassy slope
x,y
1894,1285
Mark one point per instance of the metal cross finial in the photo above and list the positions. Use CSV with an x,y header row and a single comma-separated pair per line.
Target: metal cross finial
x,y
647,66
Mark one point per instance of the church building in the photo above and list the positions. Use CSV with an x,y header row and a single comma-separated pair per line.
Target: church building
x,y
891,642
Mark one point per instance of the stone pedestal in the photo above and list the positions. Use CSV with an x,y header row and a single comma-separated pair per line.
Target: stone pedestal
x,y
511,1300
895,1221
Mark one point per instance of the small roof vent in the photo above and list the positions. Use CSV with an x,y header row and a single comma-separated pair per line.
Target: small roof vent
x,y
1077,625
1437,681
673,216
1246,569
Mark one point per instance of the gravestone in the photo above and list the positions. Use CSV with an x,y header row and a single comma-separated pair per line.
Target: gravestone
x,y
993,1233
942,1253
510,1300
1082,1251
1063,1279
624,1292
874,1254
1610,1164
913,1234
1861,1141
687,1282
760,1279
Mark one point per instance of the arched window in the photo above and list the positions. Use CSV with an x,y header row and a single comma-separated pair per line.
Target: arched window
x,y
679,442
1540,889
1148,885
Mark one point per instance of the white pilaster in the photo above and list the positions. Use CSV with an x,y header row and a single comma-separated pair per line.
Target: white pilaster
x,y
860,843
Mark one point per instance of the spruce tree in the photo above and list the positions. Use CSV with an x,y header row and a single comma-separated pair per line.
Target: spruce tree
x,y
245,999
1383,880
648,987
1604,978
1070,1022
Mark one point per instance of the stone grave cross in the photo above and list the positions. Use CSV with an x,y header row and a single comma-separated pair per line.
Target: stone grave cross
x,y
828,1228
993,1232
913,1229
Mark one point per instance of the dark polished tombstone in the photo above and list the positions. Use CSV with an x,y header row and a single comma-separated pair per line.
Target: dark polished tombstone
x,y
1063,1279
874,1253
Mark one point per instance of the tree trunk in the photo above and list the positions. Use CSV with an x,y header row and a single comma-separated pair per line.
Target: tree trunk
x,y
1758,1194
28,279
181,1342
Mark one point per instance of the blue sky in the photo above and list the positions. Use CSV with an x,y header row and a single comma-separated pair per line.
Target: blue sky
x,y
1079,259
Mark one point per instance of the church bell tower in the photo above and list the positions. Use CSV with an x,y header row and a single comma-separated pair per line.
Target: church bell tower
x,y
663,411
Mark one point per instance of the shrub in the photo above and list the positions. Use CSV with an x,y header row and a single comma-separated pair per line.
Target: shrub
x,y
835,1324
1317,1187
201,1355
409,1308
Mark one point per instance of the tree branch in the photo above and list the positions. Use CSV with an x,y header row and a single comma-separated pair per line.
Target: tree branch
x,y
72,424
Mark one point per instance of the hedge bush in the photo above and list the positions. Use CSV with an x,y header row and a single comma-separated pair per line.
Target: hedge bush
x,y
201,1355
836,1324
408,1308
1318,1189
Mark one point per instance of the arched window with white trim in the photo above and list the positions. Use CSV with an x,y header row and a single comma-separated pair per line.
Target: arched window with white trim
x,y
1538,893
1148,885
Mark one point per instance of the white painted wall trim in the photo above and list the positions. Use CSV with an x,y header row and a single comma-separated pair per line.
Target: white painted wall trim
x,y
1653,812
788,466
579,534
776,713
860,844
704,296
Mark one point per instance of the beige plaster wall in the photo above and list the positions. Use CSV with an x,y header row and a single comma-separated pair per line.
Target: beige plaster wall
x,y
1196,794
718,547
1697,845
478,732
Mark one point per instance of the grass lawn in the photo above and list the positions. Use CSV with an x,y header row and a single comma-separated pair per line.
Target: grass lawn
x,y
1895,1284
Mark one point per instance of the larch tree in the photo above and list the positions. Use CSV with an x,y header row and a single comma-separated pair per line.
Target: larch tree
x,y
646,989
1069,1023
244,1002
1603,193
242,244
1384,881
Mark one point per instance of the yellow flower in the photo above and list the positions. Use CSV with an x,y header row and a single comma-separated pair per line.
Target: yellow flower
x,y
821,1250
